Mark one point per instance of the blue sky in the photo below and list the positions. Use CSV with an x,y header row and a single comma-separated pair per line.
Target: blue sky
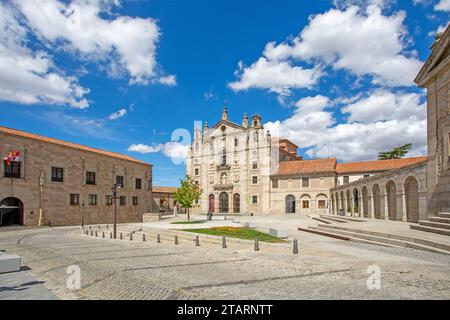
x,y
336,77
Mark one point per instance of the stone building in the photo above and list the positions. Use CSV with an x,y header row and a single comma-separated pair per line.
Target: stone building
x,y
435,77
242,169
162,199
65,183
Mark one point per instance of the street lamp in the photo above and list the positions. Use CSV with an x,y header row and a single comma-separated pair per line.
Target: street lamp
x,y
114,198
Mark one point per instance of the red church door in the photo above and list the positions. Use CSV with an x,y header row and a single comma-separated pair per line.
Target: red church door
x,y
211,203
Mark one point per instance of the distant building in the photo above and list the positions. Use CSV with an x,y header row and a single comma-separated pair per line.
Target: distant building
x,y
242,169
163,200
68,182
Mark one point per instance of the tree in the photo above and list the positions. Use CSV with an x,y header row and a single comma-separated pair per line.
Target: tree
x,y
187,194
396,153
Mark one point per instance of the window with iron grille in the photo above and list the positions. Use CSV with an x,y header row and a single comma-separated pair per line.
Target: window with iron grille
x,y
321,204
92,199
109,200
275,184
119,181
122,200
255,165
13,169
346,179
254,199
90,177
74,199
305,182
138,184
255,180
57,174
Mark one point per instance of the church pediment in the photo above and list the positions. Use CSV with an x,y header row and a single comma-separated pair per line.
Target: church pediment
x,y
440,53
227,123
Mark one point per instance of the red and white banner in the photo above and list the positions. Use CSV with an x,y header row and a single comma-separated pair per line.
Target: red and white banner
x,y
13,156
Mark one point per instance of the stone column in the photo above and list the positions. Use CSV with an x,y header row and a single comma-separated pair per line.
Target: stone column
x,y
361,203
401,206
384,207
370,205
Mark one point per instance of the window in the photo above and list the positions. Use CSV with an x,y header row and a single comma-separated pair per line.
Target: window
x,y
196,172
196,183
109,200
74,199
321,204
346,179
135,201
366,176
305,182
119,181
138,184
224,159
254,179
305,204
254,199
236,142
13,169
90,177
92,199
254,165
122,200
57,174
275,184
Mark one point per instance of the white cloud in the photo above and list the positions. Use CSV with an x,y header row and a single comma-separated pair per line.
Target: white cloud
x,y
29,77
174,150
363,42
376,123
442,5
81,27
170,80
118,114
275,76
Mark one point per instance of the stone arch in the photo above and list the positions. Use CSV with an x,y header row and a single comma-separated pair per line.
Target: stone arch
x,y
236,203
391,194
376,198
411,187
290,204
321,201
11,211
223,202
356,202
365,201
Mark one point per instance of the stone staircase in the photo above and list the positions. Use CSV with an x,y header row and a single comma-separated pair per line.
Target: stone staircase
x,y
439,224
379,238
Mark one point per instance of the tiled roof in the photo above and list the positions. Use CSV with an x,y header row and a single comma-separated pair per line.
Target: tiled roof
x,y
28,135
377,165
157,189
306,166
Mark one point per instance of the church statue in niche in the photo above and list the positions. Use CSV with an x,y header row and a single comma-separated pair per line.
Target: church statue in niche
x,y
224,178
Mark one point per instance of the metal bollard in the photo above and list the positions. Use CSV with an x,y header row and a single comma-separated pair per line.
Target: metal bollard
x,y
92,233
295,246
103,234
121,236
143,237
256,244
176,240
107,226
96,234
89,227
131,236
110,235
224,243
197,241
158,238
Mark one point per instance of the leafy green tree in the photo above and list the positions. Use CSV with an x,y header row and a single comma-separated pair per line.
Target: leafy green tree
x,y
187,194
396,153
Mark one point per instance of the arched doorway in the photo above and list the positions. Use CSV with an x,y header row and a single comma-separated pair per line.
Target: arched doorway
x,y
376,201
290,204
223,202
365,202
211,207
11,212
412,199
236,203
391,193
356,200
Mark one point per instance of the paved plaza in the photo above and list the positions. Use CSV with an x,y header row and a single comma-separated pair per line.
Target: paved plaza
x,y
326,268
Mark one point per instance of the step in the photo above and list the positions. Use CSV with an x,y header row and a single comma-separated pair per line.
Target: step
x,y
435,224
420,241
431,229
389,241
335,219
443,215
345,218
440,220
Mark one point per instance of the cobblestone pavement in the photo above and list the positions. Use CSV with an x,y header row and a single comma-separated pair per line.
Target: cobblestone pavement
x,y
123,269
